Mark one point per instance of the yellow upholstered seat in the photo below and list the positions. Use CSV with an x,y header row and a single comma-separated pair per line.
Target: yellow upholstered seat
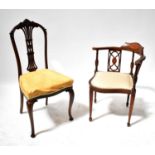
x,y
37,84
112,80
43,82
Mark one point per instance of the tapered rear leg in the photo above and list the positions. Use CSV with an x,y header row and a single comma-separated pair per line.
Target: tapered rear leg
x,y
21,102
95,97
131,107
46,101
90,103
127,102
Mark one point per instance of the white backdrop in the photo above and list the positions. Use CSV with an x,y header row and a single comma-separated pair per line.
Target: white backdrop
x,y
71,35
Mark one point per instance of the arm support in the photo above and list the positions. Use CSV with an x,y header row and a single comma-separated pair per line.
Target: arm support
x,y
140,60
138,64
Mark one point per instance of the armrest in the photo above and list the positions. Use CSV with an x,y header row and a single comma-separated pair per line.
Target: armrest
x,y
133,47
106,48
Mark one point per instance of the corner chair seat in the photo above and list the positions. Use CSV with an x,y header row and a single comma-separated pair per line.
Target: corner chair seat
x,y
43,82
112,80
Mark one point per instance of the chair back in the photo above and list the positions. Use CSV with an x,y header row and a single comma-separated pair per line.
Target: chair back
x,y
27,27
115,56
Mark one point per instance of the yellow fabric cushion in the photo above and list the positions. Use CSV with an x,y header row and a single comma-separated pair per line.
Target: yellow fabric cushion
x,y
43,82
112,80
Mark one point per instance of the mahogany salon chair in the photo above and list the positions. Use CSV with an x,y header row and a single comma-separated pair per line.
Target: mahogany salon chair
x,y
112,80
38,83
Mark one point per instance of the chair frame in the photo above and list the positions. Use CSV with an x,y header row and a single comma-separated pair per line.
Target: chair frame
x,y
27,27
135,48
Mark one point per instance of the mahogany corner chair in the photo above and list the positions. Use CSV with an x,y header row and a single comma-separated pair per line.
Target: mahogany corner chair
x,y
112,80
38,83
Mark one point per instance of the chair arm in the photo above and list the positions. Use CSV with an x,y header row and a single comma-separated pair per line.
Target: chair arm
x,y
106,48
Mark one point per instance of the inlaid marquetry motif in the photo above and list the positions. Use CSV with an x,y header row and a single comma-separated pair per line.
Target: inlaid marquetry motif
x,y
114,61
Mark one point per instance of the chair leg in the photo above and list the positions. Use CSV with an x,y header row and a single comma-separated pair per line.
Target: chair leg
x,y
127,102
21,102
95,97
71,99
30,112
46,102
90,103
131,107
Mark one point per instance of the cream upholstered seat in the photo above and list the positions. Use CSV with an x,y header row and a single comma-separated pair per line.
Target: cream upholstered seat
x,y
43,82
112,80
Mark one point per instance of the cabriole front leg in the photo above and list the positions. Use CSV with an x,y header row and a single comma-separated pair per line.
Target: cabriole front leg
x,y
71,99
30,112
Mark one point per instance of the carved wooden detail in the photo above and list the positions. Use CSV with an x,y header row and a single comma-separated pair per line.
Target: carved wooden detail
x,y
96,62
114,61
27,28
132,64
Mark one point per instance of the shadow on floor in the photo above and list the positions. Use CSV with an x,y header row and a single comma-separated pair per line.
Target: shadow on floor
x,y
147,88
58,113
35,110
117,106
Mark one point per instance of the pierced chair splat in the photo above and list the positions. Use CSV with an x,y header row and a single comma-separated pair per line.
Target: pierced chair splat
x,y
38,83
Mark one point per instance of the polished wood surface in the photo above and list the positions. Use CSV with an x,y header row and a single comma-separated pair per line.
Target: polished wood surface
x,y
27,27
114,65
